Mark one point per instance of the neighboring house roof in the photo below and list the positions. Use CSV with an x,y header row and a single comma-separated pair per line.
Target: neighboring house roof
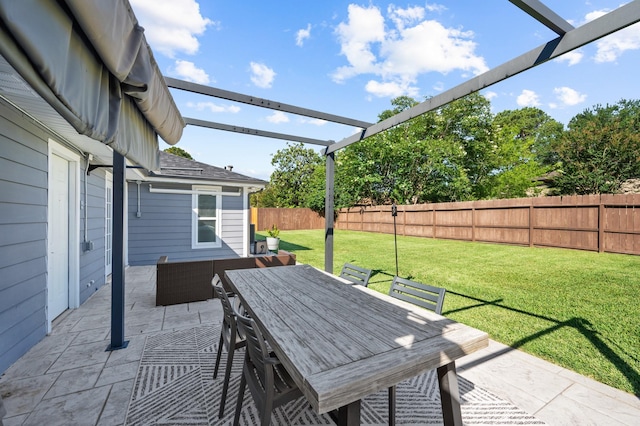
x,y
176,167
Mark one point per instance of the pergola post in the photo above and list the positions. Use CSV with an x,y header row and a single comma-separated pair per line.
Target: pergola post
x,y
117,274
328,212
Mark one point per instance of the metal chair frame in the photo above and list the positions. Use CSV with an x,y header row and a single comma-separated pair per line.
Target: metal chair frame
x,y
269,382
423,295
356,274
230,338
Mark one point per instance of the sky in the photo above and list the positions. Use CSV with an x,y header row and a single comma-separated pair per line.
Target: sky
x,y
352,58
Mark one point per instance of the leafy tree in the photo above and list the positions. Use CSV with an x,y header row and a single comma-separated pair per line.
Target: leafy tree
x,y
524,142
179,152
601,149
295,166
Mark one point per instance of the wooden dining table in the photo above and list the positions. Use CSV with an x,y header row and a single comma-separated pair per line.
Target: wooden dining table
x,y
341,342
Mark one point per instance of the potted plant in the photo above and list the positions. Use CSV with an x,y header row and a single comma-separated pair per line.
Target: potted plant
x,y
273,240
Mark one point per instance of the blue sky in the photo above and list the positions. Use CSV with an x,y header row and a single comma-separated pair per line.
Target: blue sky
x,y
351,58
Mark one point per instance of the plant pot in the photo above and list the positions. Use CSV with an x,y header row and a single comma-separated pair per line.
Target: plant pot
x,y
273,243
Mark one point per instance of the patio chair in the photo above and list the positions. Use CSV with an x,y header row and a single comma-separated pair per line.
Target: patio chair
x,y
269,382
356,274
423,295
230,337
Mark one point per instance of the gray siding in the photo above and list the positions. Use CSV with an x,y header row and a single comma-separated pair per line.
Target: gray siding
x,y
92,262
23,232
164,228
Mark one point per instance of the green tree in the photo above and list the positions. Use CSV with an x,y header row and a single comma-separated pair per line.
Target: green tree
x,y
295,166
179,152
601,149
524,141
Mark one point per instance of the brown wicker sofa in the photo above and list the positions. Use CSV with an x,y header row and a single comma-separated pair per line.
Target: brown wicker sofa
x,y
190,281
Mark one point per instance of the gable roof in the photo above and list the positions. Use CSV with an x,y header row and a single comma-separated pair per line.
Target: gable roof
x,y
176,167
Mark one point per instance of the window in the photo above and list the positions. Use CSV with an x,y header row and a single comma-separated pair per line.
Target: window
x,y
206,217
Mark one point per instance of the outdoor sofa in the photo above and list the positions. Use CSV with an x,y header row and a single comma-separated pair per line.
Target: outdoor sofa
x,y
190,281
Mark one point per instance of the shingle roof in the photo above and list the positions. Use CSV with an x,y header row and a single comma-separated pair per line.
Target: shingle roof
x,y
174,166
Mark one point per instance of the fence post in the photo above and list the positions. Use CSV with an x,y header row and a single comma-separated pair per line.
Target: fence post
x,y
531,213
601,223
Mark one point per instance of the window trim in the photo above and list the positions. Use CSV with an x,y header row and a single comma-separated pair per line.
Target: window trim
x,y
206,190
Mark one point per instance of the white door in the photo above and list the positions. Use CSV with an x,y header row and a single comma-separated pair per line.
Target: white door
x,y
108,225
58,291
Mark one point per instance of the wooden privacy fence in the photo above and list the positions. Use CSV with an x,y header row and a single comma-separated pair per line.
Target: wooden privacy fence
x,y
604,223
286,219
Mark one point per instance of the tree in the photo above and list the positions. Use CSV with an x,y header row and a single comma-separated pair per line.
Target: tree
x,y
601,149
179,152
524,142
295,166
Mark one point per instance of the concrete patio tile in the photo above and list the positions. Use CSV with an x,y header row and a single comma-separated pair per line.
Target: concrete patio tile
x,y
137,330
15,421
30,366
609,391
563,411
94,321
83,409
605,405
180,322
132,353
75,380
496,384
77,356
118,373
527,377
115,409
91,336
22,396
176,310
52,344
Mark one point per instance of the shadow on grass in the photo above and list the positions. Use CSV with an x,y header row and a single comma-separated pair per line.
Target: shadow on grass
x,y
284,245
581,325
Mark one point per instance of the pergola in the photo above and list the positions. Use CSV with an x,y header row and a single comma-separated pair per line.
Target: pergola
x,y
568,39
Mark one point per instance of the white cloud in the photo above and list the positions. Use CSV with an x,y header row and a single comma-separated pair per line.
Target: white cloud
x,y
391,89
213,107
528,98
171,25
261,75
572,58
439,86
188,71
400,50
490,95
612,46
278,117
314,121
302,35
569,96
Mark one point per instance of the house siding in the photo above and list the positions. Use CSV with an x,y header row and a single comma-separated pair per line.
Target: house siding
x,y
23,230
92,262
164,227
23,234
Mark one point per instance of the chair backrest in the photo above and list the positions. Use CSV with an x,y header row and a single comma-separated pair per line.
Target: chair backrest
x,y
229,320
356,274
257,351
424,295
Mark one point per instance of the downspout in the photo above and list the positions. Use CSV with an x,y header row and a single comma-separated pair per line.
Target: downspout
x,y
138,212
85,244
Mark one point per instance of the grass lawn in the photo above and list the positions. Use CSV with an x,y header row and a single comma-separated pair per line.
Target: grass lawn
x,y
577,309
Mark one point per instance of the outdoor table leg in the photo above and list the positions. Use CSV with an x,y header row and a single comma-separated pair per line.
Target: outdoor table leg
x,y
449,395
349,415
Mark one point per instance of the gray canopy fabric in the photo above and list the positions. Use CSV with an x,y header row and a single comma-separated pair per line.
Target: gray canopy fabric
x,y
90,61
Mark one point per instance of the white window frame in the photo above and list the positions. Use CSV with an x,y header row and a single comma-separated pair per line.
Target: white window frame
x,y
206,190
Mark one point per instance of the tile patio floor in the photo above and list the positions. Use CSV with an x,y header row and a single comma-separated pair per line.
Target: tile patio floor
x,y
69,379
